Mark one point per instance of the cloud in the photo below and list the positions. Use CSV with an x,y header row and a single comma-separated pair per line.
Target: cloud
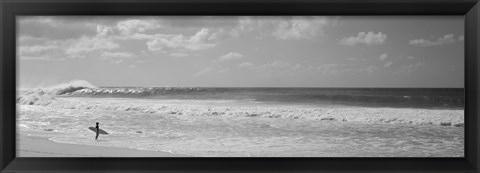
x,y
22,57
116,61
283,28
282,68
331,68
128,29
300,28
371,69
413,67
277,64
203,71
36,49
41,51
388,64
166,41
135,25
198,41
446,39
246,64
335,69
230,56
30,39
368,38
54,27
383,57
88,44
116,55
45,20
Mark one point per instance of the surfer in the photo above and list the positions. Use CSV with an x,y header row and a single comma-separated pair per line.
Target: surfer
x,y
97,132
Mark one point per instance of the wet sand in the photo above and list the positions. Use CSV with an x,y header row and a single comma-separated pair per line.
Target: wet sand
x,y
30,146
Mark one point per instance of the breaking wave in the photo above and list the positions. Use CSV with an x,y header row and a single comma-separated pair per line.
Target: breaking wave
x,y
69,96
44,96
187,109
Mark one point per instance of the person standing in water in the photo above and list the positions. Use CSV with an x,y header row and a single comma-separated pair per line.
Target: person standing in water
x,y
97,132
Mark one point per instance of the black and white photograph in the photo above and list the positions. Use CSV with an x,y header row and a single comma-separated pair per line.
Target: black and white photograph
x,y
240,86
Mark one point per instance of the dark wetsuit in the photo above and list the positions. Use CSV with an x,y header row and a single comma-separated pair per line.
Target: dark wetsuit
x,y
98,132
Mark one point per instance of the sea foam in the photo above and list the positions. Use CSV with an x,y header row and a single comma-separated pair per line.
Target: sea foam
x,y
54,97
44,96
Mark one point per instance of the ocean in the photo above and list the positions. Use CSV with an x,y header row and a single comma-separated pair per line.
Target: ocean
x,y
448,98
252,122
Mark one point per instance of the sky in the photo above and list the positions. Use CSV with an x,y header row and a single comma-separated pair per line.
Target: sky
x,y
241,51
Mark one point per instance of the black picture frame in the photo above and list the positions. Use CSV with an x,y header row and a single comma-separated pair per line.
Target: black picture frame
x,y
11,8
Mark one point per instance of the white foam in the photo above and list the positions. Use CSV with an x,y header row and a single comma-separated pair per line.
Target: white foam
x,y
225,109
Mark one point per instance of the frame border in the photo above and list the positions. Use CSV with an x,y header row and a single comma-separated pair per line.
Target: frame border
x,y
11,8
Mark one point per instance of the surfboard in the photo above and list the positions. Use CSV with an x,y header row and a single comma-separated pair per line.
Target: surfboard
x,y
103,132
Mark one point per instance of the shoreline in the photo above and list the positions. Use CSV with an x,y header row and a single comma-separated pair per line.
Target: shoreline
x,y
32,146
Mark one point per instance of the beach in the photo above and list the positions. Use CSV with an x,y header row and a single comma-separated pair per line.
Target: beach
x,y
31,146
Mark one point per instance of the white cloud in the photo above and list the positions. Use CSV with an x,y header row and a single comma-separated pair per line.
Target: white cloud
x,y
300,28
368,38
371,69
116,61
280,68
28,38
199,40
248,24
413,67
331,68
44,20
446,39
165,41
36,49
282,28
88,44
132,29
116,55
388,64
230,56
245,24
277,64
103,31
203,71
22,57
383,57
246,64
196,42
128,27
